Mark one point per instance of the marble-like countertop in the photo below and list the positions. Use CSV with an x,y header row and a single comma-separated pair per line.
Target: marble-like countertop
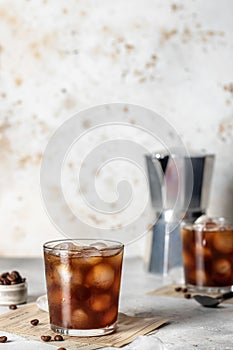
x,y
191,326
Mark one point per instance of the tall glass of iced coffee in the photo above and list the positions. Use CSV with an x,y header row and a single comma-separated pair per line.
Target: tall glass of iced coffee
x,y
83,284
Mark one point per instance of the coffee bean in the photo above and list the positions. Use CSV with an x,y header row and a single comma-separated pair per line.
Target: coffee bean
x,y
34,322
14,282
13,307
58,337
187,295
45,337
3,339
61,349
4,274
12,276
184,289
15,273
178,289
6,281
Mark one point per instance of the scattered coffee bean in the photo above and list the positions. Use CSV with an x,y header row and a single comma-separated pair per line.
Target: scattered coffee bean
x,y
178,289
3,339
12,307
45,337
34,322
61,349
187,295
58,337
184,289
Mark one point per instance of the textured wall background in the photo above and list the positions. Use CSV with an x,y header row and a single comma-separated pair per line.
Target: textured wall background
x,y
58,57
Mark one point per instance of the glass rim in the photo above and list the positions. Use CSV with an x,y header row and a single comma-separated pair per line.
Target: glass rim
x,y
221,224
116,244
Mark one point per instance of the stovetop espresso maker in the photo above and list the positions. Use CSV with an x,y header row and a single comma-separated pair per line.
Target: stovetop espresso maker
x,y
179,188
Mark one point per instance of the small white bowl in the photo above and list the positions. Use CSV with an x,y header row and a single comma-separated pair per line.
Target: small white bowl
x,y
13,294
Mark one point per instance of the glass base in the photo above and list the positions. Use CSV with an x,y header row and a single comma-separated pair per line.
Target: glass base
x,y
211,290
85,332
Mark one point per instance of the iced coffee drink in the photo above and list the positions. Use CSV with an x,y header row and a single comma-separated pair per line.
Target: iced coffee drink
x,y
208,255
83,284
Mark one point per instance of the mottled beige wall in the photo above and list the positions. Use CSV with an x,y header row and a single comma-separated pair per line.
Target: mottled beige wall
x,y
59,57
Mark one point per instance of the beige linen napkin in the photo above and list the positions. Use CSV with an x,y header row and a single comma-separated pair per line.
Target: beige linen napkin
x,y
129,328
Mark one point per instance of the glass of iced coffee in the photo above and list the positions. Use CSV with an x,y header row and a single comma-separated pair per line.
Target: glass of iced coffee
x,y
83,279
208,255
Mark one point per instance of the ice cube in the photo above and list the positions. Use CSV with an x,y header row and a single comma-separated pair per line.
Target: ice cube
x,y
205,222
223,241
79,318
93,260
90,251
91,256
66,246
104,249
110,252
100,276
77,277
99,245
202,219
222,268
100,302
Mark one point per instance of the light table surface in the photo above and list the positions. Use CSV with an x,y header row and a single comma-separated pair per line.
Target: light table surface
x,y
191,326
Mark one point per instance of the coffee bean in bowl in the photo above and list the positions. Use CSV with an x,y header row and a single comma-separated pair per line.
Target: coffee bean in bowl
x,y
13,288
13,277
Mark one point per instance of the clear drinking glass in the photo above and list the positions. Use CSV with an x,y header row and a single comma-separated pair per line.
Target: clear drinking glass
x,y
83,279
208,255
